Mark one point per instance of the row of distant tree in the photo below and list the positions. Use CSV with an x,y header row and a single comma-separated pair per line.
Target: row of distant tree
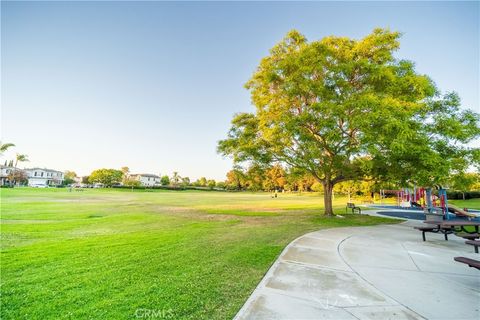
x,y
112,177
267,178
256,178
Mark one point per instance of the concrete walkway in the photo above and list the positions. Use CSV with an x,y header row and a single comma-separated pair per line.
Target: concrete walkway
x,y
380,272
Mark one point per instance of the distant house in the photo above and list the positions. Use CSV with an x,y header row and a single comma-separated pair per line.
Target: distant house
x,y
146,179
44,177
5,171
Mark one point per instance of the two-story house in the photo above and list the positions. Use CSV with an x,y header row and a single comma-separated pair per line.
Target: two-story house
x,y
146,179
5,172
44,177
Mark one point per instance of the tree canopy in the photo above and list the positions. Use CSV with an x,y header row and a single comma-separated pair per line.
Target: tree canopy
x,y
5,146
342,109
107,177
69,177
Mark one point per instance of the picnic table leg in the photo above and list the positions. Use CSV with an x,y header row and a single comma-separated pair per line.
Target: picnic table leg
x,y
446,236
423,235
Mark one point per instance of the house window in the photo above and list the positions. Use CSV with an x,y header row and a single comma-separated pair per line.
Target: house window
x,y
41,174
35,173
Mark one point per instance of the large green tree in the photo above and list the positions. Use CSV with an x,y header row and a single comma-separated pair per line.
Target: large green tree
x,y
341,109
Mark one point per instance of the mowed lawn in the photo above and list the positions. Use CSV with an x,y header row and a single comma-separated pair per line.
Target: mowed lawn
x,y
105,254
470,203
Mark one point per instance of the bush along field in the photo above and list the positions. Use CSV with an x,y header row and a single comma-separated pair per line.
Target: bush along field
x,y
118,254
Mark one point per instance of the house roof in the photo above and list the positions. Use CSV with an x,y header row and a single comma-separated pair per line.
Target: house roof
x,y
145,175
44,169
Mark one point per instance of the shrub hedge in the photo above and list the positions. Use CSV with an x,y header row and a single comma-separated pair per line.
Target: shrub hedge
x,y
457,195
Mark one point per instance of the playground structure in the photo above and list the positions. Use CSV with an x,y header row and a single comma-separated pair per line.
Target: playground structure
x,y
424,199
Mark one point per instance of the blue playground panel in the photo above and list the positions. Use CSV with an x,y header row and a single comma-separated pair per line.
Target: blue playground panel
x,y
413,213
386,206
380,206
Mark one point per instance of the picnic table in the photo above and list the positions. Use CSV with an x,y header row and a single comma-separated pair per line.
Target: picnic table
x,y
456,226
448,227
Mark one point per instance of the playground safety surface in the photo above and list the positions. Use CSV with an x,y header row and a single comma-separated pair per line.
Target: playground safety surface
x,y
416,215
379,272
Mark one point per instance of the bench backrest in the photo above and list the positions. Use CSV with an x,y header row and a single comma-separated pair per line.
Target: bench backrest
x,y
350,205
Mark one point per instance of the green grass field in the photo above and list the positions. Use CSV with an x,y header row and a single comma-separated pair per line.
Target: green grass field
x,y
471,203
103,254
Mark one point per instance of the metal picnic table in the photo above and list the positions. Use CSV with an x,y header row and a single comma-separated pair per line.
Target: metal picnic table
x,y
455,226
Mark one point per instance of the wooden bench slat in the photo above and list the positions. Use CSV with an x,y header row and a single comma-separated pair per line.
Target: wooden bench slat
x,y
433,230
475,243
425,228
469,236
470,262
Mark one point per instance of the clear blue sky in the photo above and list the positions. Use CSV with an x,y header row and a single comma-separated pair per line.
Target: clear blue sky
x,y
154,85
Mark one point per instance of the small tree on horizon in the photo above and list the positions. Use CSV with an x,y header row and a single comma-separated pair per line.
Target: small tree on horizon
x,y
18,158
107,177
211,183
126,174
69,177
175,180
165,180
185,181
202,182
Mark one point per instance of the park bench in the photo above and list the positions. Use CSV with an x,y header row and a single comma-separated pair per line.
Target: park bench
x,y
468,236
470,262
475,243
352,206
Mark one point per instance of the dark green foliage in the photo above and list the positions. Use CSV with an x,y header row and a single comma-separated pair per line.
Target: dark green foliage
x,y
460,195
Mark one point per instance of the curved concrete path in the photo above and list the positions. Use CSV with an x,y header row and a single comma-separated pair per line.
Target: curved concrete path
x,y
379,272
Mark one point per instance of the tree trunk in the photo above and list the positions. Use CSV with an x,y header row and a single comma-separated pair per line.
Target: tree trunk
x,y
327,197
15,174
463,195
